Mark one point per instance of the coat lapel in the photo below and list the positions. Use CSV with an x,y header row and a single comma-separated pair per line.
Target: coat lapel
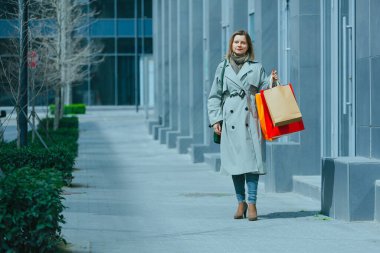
x,y
230,73
239,78
243,71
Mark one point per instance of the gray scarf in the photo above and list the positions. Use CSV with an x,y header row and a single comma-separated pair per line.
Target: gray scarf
x,y
237,61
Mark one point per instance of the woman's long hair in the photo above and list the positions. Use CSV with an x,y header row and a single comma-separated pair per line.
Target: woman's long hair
x,y
249,42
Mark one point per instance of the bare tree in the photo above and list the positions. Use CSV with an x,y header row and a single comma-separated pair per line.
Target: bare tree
x,y
72,53
13,65
58,35
12,60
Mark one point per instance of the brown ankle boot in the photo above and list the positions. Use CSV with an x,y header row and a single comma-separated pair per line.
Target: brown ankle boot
x,y
241,211
252,212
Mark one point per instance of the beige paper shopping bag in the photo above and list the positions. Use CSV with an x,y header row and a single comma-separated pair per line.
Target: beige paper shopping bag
x,y
282,105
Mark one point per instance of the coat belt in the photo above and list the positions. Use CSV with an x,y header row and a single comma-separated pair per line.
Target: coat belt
x,y
241,94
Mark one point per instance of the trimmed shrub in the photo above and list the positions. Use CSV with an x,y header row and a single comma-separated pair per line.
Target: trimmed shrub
x,y
70,109
63,148
64,137
67,134
35,156
66,122
30,210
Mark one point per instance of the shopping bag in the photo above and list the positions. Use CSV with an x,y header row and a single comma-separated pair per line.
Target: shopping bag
x,y
282,105
261,114
273,131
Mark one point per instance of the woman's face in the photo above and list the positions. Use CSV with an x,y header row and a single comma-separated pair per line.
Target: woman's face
x,y
239,45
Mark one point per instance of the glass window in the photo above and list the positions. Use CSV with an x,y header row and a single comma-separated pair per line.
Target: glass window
x,y
108,45
147,8
9,46
36,7
102,28
126,27
144,8
126,8
6,98
80,94
148,45
139,8
9,9
8,79
103,82
126,45
127,93
104,8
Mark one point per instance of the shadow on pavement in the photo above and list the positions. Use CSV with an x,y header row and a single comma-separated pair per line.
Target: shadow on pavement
x,y
282,215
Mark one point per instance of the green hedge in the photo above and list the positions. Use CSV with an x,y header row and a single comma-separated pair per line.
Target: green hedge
x,y
63,148
70,109
30,210
30,201
36,156
66,122
67,134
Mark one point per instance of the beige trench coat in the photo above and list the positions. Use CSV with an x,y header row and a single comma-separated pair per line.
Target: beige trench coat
x,y
242,147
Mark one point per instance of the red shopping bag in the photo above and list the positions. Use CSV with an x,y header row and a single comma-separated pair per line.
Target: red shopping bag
x,y
271,130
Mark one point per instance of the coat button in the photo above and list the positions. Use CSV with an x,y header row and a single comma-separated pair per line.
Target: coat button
x,y
246,124
233,127
232,111
246,108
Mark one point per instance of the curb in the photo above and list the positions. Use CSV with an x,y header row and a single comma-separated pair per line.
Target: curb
x,y
77,247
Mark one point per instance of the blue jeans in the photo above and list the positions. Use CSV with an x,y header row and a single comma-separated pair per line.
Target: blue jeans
x,y
252,181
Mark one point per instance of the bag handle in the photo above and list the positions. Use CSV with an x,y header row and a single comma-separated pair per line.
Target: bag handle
x,y
222,74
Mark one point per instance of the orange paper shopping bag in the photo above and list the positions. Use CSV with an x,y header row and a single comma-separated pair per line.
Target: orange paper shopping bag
x,y
261,114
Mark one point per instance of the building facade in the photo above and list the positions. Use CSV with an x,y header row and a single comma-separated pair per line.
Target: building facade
x,y
124,28
326,48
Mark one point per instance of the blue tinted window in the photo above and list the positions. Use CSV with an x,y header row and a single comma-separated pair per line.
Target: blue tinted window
x,y
103,28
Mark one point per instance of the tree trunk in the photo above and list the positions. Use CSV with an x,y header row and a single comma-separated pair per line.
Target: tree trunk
x,y
57,107
62,109
18,127
47,112
22,98
68,94
33,116
33,91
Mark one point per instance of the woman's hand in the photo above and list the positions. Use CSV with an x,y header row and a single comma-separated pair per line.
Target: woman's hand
x,y
274,76
217,128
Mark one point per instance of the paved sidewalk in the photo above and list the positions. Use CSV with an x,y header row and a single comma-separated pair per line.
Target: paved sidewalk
x,y
134,195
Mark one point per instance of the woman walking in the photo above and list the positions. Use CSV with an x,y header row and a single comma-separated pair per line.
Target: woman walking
x,y
232,114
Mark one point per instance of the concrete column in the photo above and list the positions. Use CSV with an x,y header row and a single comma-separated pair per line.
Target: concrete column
x,y
212,32
159,40
157,66
196,71
234,16
171,135
239,16
184,139
301,156
212,37
165,73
